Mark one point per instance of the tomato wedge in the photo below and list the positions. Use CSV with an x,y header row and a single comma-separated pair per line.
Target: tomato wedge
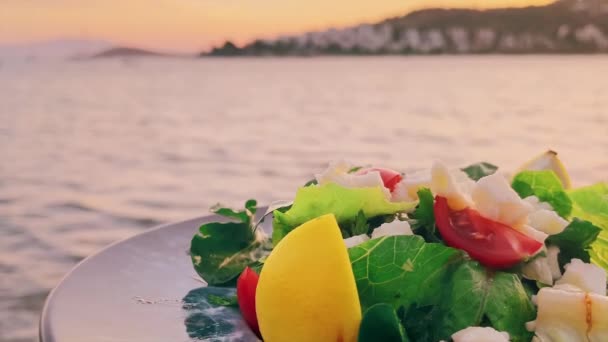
x,y
390,178
245,294
492,243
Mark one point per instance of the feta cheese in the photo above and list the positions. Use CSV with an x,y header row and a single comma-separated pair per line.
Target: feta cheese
x,y
539,270
599,318
337,172
537,204
401,193
392,229
547,221
407,189
495,199
569,314
355,240
445,185
552,253
533,233
544,269
544,218
587,277
562,315
480,334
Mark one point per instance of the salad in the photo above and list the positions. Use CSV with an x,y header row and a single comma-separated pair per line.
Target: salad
x,y
441,254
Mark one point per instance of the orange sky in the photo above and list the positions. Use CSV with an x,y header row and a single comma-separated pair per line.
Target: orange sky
x,y
190,25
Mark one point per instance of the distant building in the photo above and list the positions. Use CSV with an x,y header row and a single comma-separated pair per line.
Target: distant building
x,y
484,40
583,28
591,34
460,39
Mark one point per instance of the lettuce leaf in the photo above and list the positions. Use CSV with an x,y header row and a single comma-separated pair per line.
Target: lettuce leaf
x,y
424,217
345,203
591,203
575,241
221,251
546,186
439,285
479,170
381,323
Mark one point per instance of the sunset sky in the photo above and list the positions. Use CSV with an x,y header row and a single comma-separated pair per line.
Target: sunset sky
x,y
192,25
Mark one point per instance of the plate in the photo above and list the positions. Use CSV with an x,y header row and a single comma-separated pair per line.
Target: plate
x,y
142,289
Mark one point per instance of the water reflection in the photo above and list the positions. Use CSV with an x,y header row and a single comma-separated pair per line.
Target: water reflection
x,y
209,322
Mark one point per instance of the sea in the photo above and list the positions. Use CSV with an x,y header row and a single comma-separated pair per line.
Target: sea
x,y
95,151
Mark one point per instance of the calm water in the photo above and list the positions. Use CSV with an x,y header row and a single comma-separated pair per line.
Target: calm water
x,y
96,151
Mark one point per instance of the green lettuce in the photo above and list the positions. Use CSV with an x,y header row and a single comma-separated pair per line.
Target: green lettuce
x,y
546,186
347,204
221,251
480,170
437,289
381,323
423,216
591,203
575,241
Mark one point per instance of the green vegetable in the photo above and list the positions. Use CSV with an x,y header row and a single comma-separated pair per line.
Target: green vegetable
x,y
242,216
311,182
480,170
358,226
222,300
591,203
477,296
344,203
575,241
546,186
380,323
446,289
206,320
221,251
400,269
419,321
424,216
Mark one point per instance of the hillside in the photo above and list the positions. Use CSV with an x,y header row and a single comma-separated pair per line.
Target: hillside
x,y
126,52
566,26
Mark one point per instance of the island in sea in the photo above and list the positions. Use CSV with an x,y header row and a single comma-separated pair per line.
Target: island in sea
x,y
127,52
565,26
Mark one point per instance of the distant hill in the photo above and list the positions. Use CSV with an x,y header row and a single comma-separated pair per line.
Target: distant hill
x,y
127,52
566,26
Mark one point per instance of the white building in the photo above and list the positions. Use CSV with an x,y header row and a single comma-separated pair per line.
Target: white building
x,y
591,34
460,38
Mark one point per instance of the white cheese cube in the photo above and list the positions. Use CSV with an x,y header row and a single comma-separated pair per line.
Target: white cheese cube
x,y
392,229
587,277
355,240
562,316
495,199
547,221
599,318
444,185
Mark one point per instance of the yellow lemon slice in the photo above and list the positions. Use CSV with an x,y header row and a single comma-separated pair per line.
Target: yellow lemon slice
x,y
549,161
307,289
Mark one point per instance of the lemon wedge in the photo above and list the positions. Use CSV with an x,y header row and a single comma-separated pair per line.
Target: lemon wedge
x,y
549,161
307,291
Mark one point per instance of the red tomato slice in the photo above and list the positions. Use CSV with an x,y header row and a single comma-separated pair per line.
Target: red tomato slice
x,y
492,243
245,293
390,178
